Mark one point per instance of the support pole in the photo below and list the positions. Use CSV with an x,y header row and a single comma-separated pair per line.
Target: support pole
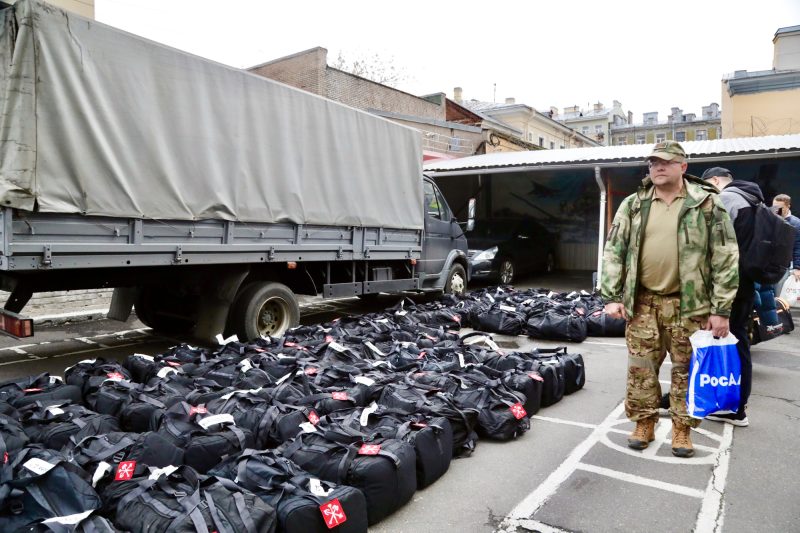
x,y
602,226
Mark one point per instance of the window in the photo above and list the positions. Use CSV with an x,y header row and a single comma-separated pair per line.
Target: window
x,y
561,147
541,142
680,136
701,135
431,201
640,138
552,145
530,137
622,140
661,137
585,130
598,128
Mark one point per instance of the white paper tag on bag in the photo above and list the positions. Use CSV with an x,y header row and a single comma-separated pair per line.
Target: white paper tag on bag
x,y
308,427
333,345
99,472
213,420
158,472
145,357
69,520
508,309
166,371
461,360
55,410
245,365
364,380
374,348
315,487
364,419
38,466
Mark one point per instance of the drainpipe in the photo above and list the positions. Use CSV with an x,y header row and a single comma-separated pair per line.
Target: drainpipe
x,y
601,237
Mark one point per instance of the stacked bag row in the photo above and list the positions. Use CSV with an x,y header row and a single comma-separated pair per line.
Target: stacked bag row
x,y
537,313
332,426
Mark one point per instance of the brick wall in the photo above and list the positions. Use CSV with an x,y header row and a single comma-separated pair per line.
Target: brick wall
x,y
60,302
309,71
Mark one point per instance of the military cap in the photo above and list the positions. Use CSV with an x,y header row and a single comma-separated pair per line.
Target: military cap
x,y
668,151
716,171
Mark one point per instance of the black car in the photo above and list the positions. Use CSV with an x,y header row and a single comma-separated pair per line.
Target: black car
x,y
501,248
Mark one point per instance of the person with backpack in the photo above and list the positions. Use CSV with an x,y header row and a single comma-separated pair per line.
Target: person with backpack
x,y
740,199
670,269
782,204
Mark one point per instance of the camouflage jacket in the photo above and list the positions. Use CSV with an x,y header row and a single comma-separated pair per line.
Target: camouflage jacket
x,y
707,251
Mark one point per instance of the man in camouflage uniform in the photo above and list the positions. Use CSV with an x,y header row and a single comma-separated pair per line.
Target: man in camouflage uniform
x,y
670,267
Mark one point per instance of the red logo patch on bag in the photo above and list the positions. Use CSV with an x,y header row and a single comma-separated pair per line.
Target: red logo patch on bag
x,y
369,449
333,513
173,363
535,376
31,390
5,457
289,344
518,411
339,395
310,371
419,424
200,410
313,418
125,471
328,338
115,375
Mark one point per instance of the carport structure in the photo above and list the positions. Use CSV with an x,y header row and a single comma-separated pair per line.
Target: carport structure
x,y
576,192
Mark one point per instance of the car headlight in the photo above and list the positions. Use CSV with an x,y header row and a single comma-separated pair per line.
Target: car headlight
x,y
486,255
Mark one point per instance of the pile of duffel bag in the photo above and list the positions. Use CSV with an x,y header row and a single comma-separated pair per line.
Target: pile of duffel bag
x,y
332,426
537,313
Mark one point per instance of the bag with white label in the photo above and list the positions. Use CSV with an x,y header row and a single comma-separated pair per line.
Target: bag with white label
x,y
40,484
383,469
500,318
90,374
205,437
182,500
562,323
304,503
54,425
715,375
41,388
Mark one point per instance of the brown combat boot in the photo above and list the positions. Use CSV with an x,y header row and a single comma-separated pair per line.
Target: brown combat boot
x,y
681,441
643,435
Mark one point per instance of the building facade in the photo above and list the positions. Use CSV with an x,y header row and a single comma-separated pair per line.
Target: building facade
x,y
765,102
679,126
595,123
533,127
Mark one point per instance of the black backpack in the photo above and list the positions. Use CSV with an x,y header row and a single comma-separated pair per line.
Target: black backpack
x,y
767,256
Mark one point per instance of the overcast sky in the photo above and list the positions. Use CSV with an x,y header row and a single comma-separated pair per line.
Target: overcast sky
x,y
649,55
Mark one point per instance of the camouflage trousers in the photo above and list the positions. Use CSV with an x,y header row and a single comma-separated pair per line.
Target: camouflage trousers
x,y
655,329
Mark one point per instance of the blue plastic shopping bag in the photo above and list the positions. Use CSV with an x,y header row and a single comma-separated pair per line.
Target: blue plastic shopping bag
x,y
715,375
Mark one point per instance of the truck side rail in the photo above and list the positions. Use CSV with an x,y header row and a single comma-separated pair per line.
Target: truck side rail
x,y
37,241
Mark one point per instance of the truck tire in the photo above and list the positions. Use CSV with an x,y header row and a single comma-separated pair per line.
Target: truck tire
x,y
264,308
456,280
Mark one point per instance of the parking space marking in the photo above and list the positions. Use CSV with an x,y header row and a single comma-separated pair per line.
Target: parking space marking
x,y
711,515
639,480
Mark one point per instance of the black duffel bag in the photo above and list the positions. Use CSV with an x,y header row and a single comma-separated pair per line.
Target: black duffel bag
x,y
205,437
559,323
304,504
42,388
500,318
38,484
185,501
501,412
600,324
54,425
116,448
574,370
383,469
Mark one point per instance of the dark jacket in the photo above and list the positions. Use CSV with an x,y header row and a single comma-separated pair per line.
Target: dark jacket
x,y
740,199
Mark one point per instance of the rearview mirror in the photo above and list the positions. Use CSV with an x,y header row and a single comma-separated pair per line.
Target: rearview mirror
x,y
471,214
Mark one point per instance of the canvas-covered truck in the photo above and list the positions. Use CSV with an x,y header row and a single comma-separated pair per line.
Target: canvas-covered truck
x,y
205,195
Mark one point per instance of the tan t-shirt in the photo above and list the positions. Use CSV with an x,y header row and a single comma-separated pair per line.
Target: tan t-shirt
x,y
658,261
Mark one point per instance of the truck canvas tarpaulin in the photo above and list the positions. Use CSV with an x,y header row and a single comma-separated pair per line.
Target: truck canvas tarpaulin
x,y
97,121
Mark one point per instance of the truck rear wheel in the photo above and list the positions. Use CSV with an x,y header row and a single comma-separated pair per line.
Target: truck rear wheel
x,y
264,309
456,280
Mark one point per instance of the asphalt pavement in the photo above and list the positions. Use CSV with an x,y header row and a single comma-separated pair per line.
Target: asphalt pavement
x,y
572,471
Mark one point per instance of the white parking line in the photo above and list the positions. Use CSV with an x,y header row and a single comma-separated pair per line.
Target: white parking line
x,y
639,480
711,515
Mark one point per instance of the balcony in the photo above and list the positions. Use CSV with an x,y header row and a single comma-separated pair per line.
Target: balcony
x,y
437,142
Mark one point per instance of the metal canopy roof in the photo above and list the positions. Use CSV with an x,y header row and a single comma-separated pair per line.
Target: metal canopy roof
x,y
614,156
